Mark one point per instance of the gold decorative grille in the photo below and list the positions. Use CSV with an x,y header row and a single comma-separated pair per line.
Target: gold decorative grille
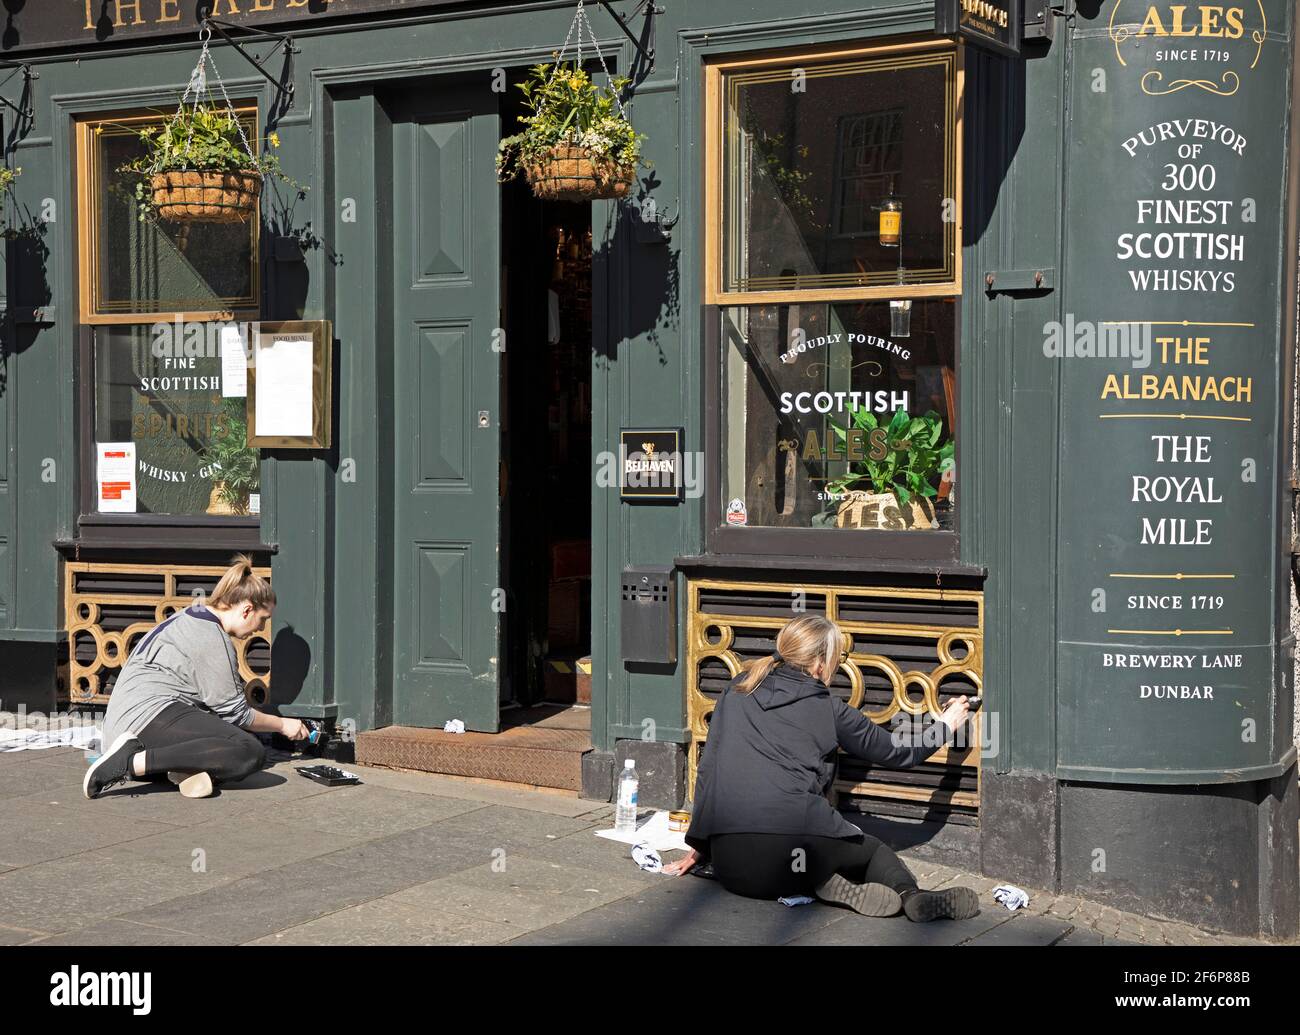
x,y
109,607
910,650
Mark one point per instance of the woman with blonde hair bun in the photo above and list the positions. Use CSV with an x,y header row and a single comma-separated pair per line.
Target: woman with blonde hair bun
x,y
761,815
178,706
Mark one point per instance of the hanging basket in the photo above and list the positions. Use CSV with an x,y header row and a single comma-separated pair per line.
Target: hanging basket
x,y
568,173
206,196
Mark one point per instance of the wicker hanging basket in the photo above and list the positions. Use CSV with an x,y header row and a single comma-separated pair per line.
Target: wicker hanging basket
x,y
206,196
568,173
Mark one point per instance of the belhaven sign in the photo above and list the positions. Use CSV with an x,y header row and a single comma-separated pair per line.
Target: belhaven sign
x,y
72,23
991,24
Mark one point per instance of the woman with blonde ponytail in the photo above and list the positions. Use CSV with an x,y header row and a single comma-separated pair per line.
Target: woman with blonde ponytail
x,y
178,706
761,815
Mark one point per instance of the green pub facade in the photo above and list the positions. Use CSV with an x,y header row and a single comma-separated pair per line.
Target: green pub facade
x,y
969,325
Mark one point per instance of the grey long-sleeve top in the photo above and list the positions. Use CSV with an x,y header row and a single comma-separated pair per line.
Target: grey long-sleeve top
x,y
188,658
770,758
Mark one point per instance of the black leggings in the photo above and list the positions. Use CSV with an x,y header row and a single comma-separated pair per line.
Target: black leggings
x,y
189,740
776,865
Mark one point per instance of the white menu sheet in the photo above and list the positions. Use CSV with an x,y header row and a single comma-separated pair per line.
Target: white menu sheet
x,y
234,363
115,477
284,385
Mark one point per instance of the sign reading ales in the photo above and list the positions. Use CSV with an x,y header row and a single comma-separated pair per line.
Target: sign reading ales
x,y
1170,589
991,24
63,23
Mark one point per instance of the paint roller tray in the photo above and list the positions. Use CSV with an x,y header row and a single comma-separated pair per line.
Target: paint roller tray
x,y
329,775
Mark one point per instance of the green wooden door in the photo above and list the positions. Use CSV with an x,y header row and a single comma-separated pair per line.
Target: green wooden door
x,y
446,242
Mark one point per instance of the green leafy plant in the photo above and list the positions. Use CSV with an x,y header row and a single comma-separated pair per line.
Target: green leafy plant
x,y
915,457
236,467
568,108
792,184
205,138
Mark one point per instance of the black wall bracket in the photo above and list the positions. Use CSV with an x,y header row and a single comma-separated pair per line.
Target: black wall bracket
x,y
24,109
284,85
645,46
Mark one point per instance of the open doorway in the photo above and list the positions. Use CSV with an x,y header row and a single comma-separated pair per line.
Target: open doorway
x,y
545,445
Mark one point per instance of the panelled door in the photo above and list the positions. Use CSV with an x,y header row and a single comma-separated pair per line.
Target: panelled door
x,y
446,243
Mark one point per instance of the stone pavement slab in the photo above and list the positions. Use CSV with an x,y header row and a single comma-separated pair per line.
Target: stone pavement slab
x,y
366,812
500,826
80,890
124,932
17,935
40,831
389,922
559,803
267,902
1024,930
412,856
685,911
527,894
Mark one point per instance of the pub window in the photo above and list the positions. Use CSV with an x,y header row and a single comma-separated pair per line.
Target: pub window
x,y
805,151
133,269
155,297
833,268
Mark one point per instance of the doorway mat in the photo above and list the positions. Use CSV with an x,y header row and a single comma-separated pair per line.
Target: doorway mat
x,y
544,752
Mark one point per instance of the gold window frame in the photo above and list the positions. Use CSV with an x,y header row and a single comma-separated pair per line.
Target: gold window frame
x,y
721,77
89,194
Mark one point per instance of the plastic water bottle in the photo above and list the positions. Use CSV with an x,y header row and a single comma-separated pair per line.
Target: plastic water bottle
x,y
625,812
94,748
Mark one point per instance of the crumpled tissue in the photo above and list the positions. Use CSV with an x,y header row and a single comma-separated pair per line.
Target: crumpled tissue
x,y
1010,896
646,857
453,726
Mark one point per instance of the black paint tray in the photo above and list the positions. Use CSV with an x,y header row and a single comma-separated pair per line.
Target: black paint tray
x,y
331,776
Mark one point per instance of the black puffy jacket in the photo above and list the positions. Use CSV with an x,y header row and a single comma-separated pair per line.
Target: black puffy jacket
x,y
770,758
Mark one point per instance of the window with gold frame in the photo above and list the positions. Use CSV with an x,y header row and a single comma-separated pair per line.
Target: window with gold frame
x,y
156,297
797,141
838,328
134,270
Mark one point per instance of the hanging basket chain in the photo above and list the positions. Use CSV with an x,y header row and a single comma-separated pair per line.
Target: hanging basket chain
x,y
579,23
197,88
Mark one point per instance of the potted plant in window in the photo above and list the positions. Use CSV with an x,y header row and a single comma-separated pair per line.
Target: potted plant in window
x,y
234,463
896,490
199,168
577,143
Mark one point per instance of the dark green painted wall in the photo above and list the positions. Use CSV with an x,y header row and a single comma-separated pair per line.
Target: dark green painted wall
x,y
333,562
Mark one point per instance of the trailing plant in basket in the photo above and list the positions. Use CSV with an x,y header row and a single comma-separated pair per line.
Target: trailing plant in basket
x,y
567,108
914,459
203,138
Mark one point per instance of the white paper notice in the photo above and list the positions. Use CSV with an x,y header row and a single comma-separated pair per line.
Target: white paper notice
x,y
234,363
254,503
115,477
284,382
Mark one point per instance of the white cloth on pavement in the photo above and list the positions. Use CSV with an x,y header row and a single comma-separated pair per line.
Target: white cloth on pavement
x,y
1010,896
36,740
453,726
647,858
653,831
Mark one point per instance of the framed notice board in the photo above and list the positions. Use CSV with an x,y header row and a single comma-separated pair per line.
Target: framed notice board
x,y
290,367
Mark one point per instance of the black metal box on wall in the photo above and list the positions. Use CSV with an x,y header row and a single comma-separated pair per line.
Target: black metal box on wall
x,y
649,614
